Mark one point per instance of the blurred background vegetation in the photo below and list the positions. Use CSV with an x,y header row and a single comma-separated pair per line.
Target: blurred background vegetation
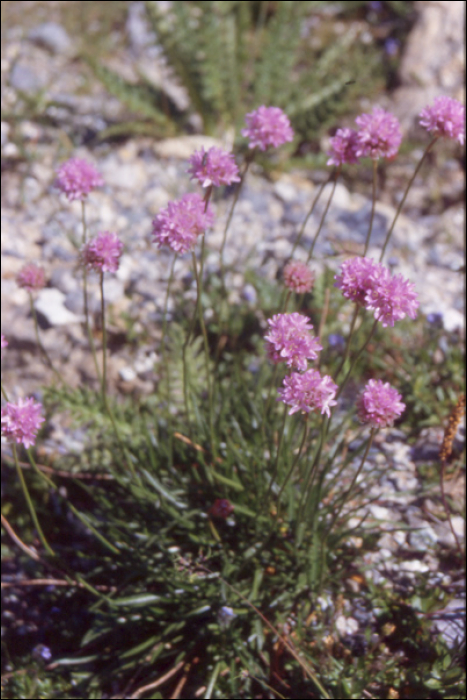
x,y
313,59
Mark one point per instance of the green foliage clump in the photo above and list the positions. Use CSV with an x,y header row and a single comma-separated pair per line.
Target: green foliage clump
x,y
233,56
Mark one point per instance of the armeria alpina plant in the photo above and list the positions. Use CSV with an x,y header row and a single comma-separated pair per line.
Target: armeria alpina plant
x,y
222,523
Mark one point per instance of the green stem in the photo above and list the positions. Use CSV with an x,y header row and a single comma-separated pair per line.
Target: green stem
x,y
248,160
401,203
32,510
349,490
164,360
349,339
343,502
206,347
356,358
334,175
310,212
294,462
312,469
278,452
38,340
373,205
84,520
85,297
104,340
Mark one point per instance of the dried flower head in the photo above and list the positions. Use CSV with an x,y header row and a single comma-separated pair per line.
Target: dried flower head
x,y
21,421
446,117
290,340
267,126
343,147
31,277
451,428
181,222
213,167
103,252
379,134
77,178
379,404
298,277
221,508
308,392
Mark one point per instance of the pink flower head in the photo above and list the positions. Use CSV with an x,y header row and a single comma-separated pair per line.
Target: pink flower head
x,y
446,117
308,392
103,252
267,126
298,277
31,277
290,340
76,178
343,147
371,284
21,421
392,298
213,167
357,278
181,222
4,342
379,404
379,135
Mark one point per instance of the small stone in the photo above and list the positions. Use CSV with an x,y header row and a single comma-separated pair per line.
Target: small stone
x,y
50,303
52,36
346,625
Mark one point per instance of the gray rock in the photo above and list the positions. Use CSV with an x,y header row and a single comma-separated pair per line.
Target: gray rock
x,y
25,79
139,34
51,36
50,303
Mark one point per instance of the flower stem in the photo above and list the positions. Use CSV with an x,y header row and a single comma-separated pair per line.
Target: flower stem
x,y
310,212
349,339
278,452
356,358
164,360
294,462
401,203
248,160
85,297
104,339
334,176
42,348
32,510
373,205
206,347
343,502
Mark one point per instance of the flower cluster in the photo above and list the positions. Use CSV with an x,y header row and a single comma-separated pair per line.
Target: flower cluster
x,y
4,342
21,421
446,117
103,252
298,277
290,340
76,178
181,222
267,126
31,277
379,135
343,147
371,285
379,404
213,167
308,392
